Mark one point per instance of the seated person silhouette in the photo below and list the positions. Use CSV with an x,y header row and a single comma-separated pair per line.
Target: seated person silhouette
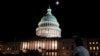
x,y
80,50
40,51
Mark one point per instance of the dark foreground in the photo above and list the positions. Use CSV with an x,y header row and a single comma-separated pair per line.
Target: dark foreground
x,y
23,54
19,55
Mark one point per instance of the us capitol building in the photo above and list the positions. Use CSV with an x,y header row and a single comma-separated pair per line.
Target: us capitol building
x,y
48,37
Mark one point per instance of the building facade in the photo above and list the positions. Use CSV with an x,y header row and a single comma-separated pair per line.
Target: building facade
x,y
52,46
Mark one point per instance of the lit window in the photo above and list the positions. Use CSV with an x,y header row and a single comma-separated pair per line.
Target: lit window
x,y
52,53
63,48
96,42
43,45
97,48
39,44
93,48
93,42
55,44
90,48
0,48
24,45
89,42
46,53
55,53
36,44
96,54
8,48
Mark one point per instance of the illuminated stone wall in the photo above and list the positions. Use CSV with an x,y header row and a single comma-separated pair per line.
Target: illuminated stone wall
x,y
52,47
48,46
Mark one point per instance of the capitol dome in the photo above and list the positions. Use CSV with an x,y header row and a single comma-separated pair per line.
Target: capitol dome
x,y
48,26
49,18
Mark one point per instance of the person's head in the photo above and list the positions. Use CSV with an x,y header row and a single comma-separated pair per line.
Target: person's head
x,y
78,42
40,48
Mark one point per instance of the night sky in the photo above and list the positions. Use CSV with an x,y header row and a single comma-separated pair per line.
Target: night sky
x,y
19,19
